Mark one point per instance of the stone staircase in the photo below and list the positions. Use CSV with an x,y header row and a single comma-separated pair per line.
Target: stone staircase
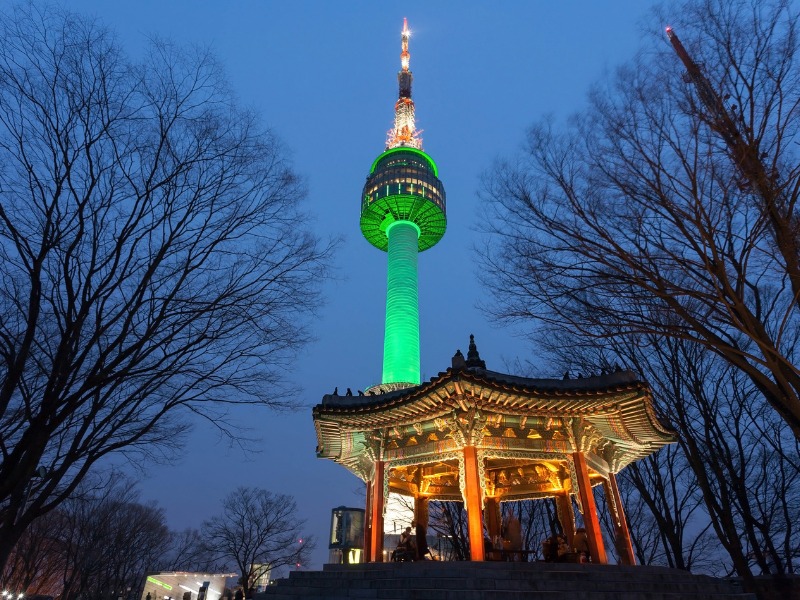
x,y
433,580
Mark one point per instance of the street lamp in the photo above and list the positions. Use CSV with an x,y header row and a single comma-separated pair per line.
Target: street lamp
x,y
41,473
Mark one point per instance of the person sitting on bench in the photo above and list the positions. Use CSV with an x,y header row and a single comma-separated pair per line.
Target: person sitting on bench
x,y
406,549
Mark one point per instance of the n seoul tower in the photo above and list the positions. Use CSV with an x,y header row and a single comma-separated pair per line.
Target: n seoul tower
x,y
403,213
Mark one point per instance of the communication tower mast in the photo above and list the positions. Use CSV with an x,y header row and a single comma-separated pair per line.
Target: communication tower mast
x,y
403,213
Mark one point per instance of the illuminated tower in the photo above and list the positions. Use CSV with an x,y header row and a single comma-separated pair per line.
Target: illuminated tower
x,y
403,213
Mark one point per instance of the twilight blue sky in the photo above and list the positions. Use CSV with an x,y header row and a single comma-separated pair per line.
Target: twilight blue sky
x,y
323,75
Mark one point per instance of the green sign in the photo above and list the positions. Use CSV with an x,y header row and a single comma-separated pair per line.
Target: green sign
x,y
166,586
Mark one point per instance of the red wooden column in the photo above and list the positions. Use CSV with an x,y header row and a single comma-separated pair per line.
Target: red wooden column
x,y
368,523
566,516
376,506
596,548
421,511
472,491
623,540
492,516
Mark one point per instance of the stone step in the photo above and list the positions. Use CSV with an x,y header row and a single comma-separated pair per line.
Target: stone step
x,y
556,580
420,594
463,594
501,581
534,583
468,568
436,594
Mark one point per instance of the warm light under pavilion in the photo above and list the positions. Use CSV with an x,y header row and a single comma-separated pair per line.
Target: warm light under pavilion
x,y
530,438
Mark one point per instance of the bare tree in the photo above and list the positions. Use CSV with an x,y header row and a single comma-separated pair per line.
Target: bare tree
x,y
107,541
186,552
257,532
721,499
35,566
743,458
98,542
156,263
666,514
101,540
640,218
647,227
449,521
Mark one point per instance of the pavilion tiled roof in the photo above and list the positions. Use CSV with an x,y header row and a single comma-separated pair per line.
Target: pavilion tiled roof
x,y
618,405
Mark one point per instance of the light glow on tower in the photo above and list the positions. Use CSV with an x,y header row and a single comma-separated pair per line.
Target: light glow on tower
x,y
403,213
404,132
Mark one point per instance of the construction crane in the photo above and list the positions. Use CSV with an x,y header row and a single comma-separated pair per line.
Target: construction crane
x,y
754,175
744,152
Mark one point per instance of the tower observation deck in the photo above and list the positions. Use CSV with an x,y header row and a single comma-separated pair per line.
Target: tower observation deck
x,y
403,213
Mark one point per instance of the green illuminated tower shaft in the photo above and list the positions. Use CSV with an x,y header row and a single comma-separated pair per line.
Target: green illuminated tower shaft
x,y
401,339
403,213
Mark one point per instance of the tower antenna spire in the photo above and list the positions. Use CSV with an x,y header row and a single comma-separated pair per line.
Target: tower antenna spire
x,y
404,132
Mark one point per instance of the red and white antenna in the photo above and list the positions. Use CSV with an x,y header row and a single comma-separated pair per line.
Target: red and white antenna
x,y
404,132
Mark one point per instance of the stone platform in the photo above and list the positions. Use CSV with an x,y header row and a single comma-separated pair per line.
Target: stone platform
x,y
433,580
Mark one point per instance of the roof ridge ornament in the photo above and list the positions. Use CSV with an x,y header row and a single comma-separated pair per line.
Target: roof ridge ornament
x,y
473,357
458,361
